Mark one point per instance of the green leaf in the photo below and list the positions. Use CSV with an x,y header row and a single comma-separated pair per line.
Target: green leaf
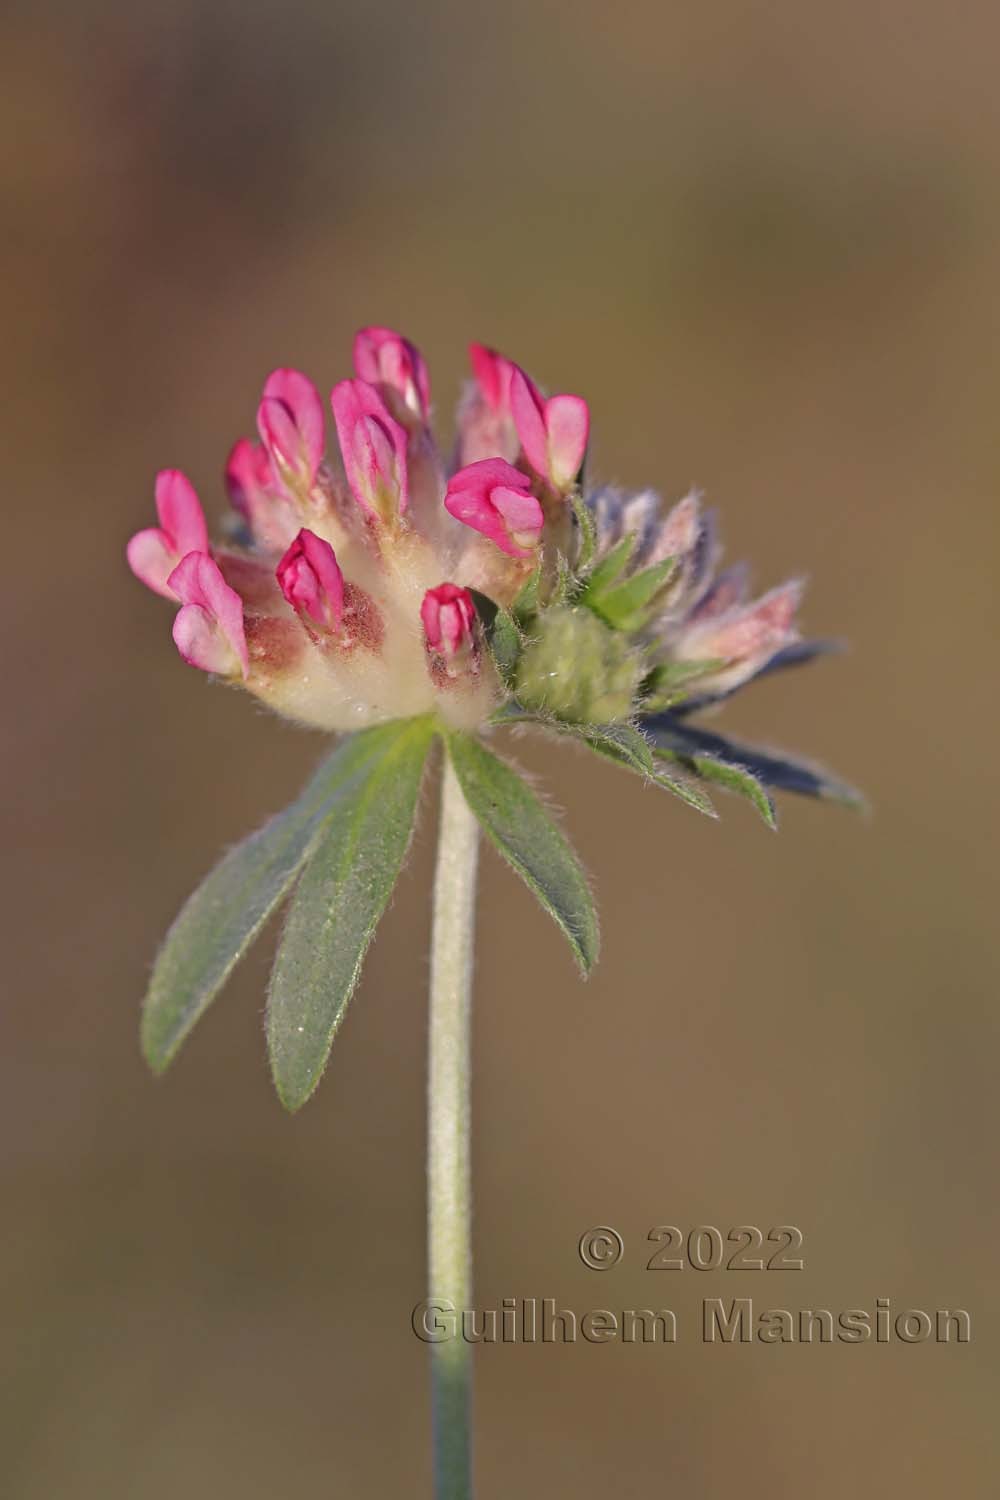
x,y
625,605
220,920
522,831
734,778
336,907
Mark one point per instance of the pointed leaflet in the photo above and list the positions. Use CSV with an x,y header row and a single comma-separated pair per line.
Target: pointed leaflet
x,y
220,920
621,743
787,773
734,778
524,834
336,908
627,747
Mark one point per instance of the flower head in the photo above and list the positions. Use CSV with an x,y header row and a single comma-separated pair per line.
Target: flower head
x,y
567,608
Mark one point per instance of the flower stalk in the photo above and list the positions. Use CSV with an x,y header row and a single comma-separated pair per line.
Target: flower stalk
x,y
449,1207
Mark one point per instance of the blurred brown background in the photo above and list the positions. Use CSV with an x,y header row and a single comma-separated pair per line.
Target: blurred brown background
x,y
763,241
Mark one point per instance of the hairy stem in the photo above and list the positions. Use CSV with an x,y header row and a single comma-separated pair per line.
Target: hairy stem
x,y
448,1197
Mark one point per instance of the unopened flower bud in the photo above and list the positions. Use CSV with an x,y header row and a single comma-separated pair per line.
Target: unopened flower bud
x,y
397,369
373,445
578,669
448,616
312,582
290,421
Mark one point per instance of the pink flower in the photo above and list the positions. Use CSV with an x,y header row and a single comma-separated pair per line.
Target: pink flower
x,y
485,425
290,421
493,372
154,554
397,368
553,432
494,498
448,616
373,445
208,630
255,493
312,582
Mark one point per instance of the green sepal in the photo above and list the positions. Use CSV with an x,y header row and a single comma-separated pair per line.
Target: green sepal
x,y
503,636
626,605
220,920
565,585
336,907
520,828
587,532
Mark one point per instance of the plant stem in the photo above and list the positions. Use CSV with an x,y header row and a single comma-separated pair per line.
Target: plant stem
x,y
449,1250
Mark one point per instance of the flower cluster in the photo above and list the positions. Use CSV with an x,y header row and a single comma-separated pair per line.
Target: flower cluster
x,y
363,580
365,584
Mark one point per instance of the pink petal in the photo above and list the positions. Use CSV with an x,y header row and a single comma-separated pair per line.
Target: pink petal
x,y
522,513
487,472
493,373
567,423
248,477
494,498
180,512
152,559
255,493
197,581
527,409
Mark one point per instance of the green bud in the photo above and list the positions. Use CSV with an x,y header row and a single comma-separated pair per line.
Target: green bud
x,y
577,669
